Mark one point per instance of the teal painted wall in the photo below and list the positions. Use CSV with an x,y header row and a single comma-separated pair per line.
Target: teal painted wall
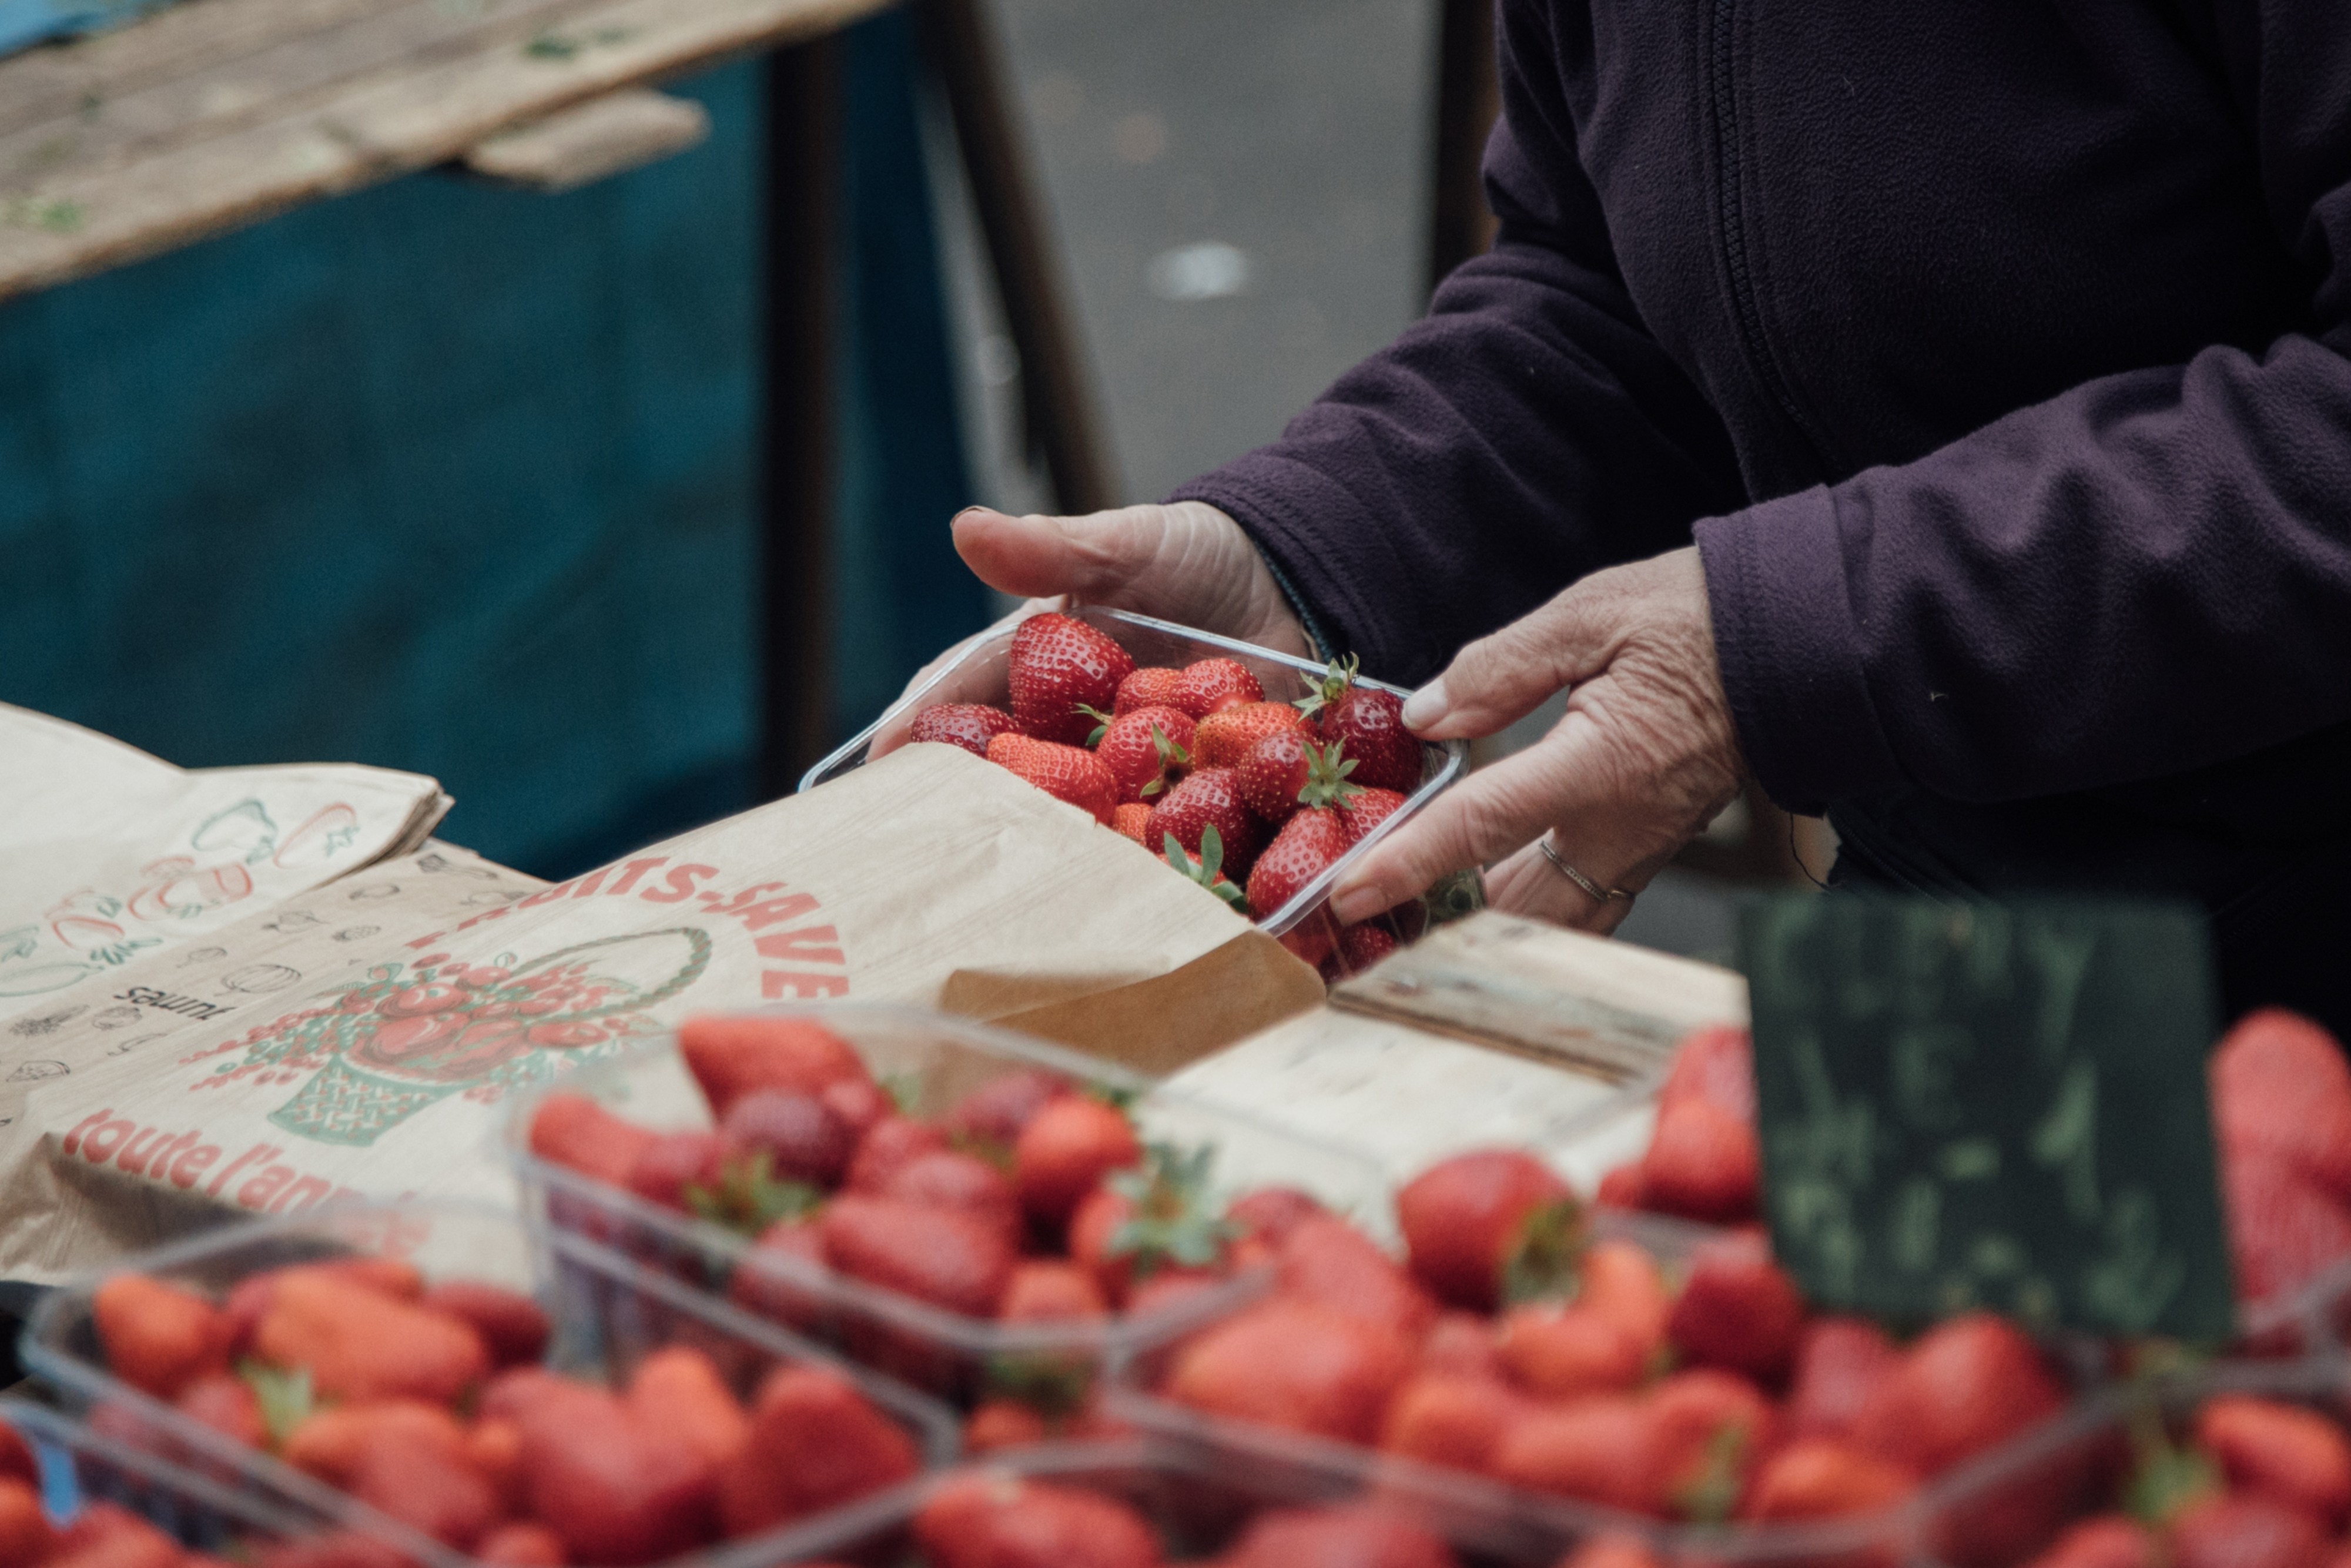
x,y
462,480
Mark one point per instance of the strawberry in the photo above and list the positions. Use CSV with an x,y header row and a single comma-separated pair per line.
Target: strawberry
x,y
1365,809
1131,819
1737,1311
1226,737
521,1545
969,725
1839,1364
2106,1541
1561,1352
944,1178
677,1395
1461,1343
1153,685
157,1337
815,1443
1969,1383
1363,945
2281,1087
1206,868
1068,773
1464,1218
1714,1063
1348,1535
16,1458
1001,1520
730,1056
108,1536
1295,1365
1611,1552
2284,1452
614,1492
358,1345
1620,1281
512,1325
1066,1149
2238,1531
993,1114
804,1138
1449,1418
425,1487
771,1292
1623,1187
1287,771
1368,724
493,1446
26,1535
858,1101
1596,1448
225,1403
1707,1429
1094,1229
1212,685
999,1424
1309,844
673,1162
1146,750
1703,1163
1049,1292
329,1443
1821,1478
946,1257
2284,1227
1058,666
1144,1222
1326,1260
1207,798
1270,1213
887,1144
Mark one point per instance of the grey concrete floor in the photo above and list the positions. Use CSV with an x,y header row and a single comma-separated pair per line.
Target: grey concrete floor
x,y
1241,192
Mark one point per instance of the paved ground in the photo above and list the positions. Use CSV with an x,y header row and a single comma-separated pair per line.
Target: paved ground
x,y
1242,189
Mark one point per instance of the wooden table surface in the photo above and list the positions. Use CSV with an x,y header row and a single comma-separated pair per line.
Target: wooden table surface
x,y
213,113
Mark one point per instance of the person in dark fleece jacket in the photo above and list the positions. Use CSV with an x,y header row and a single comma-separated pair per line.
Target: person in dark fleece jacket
x,y
1966,388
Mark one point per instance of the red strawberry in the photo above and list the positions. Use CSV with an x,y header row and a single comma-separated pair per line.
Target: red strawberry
x,y
946,1179
614,1493
225,1403
2107,1541
1450,1419
1565,1352
2281,1087
1287,771
572,1130
1207,797
1596,1448
1212,685
969,725
942,1256
731,1055
1049,1292
1366,809
993,1114
1066,1149
1364,943
1271,1213
2284,1227
804,1138
1069,773
1058,667
1466,1219
1714,1063
1611,1552
1225,737
887,1144
1737,1311
512,1325
2238,1531
988,1521
26,1537
157,1337
1839,1364
1145,749
1966,1385
815,1443
1820,1478
1309,844
769,1291
1706,1430
2284,1452
1369,724
1131,819
674,1162
1153,685
1294,1364
1703,1163
1348,1535
1326,1260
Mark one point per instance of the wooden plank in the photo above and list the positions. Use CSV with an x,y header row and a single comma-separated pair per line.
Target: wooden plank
x,y
592,141
1560,996
428,107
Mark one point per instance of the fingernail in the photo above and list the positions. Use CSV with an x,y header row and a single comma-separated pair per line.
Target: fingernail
x,y
968,511
1354,903
1425,706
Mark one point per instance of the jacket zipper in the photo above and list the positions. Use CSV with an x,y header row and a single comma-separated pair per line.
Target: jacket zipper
x,y
1730,211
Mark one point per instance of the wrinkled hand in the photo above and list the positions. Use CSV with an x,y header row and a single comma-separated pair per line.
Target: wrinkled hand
x,y
1645,757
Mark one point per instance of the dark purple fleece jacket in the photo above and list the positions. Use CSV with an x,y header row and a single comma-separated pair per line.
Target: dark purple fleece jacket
x,y
1995,354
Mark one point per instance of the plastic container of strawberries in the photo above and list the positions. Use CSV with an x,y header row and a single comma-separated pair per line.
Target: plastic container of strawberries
x,y
227,1516
979,671
607,1312
930,1062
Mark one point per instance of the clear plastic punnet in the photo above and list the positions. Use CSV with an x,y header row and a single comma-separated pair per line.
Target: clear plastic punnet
x,y
978,672
606,1312
929,1063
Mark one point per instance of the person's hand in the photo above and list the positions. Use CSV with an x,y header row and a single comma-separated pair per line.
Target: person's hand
x,y
1645,757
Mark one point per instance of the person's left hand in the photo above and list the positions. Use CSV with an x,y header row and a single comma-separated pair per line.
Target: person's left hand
x,y
1645,757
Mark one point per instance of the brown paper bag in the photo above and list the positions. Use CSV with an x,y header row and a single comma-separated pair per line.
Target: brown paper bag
x,y
929,877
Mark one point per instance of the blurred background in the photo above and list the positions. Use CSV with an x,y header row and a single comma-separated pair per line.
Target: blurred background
x,y
507,487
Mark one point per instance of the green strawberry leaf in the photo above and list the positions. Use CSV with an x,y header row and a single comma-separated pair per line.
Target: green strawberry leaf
x,y
1212,853
2166,1477
1169,752
904,1089
1051,1386
1327,783
747,1197
284,1394
1545,1262
1173,1222
1709,1496
1327,687
1204,870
